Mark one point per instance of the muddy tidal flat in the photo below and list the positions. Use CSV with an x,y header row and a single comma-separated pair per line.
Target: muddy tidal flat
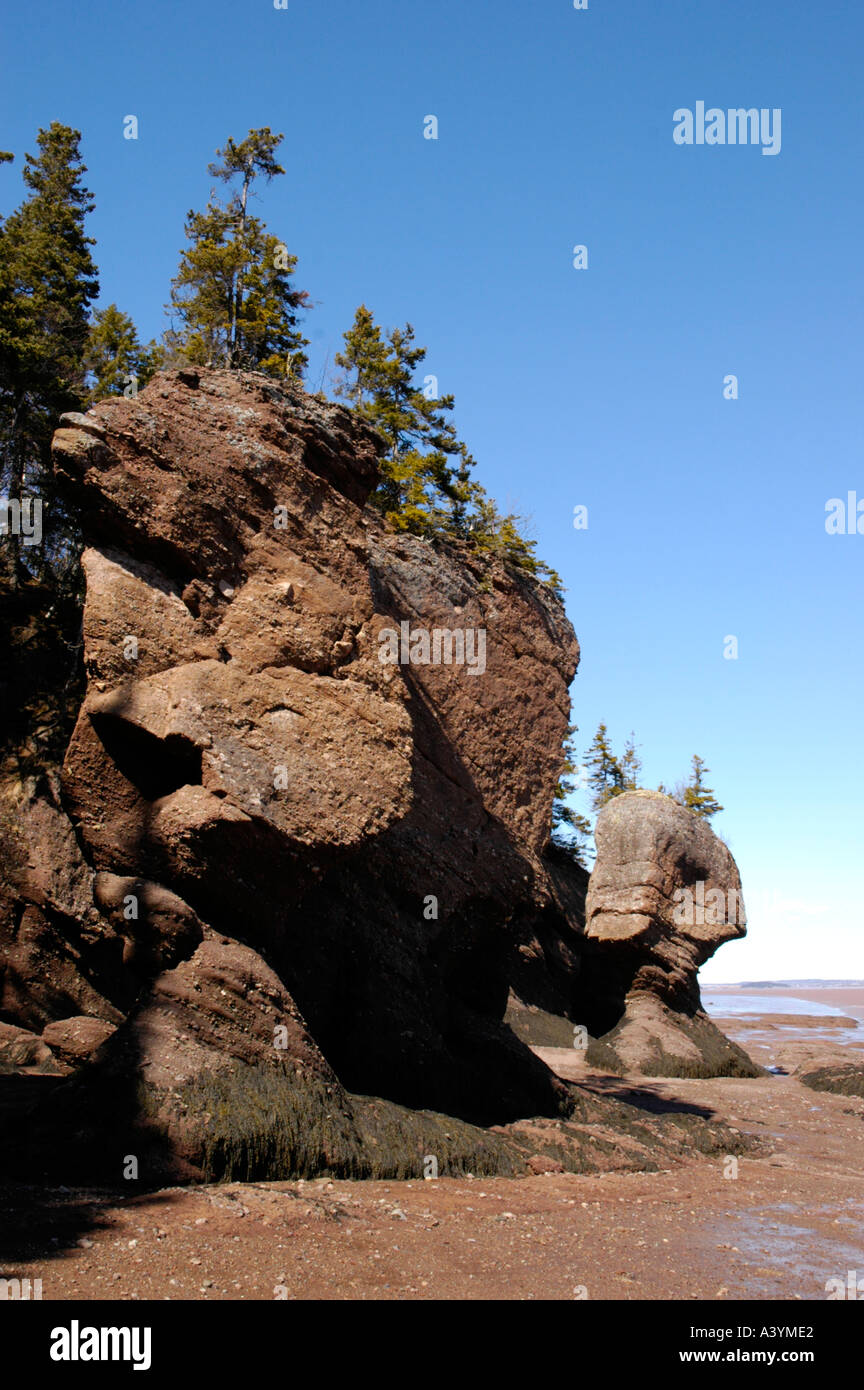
x,y
774,1227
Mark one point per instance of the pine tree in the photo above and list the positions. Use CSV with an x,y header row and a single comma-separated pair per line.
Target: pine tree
x,y
233,293
420,489
570,829
698,797
426,484
631,766
47,283
116,362
605,775
503,535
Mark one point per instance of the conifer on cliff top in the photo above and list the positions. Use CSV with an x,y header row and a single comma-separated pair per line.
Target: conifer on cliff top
x,y
426,484
234,294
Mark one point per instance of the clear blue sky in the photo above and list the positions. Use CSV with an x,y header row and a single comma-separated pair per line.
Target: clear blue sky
x,y
601,387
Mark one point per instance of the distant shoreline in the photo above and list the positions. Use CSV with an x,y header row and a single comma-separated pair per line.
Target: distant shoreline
x,y
750,985
849,998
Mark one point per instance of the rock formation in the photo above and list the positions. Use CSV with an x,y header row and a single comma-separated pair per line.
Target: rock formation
x,y
279,871
664,894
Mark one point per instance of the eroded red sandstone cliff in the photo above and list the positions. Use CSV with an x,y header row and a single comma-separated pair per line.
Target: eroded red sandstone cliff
x,y
270,849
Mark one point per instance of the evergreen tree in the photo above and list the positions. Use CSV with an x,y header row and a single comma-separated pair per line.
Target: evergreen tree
x,y
503,535
426,484
116,362
698,797
631,766
365,360
570,829
605,773
420,489
233,293
47,283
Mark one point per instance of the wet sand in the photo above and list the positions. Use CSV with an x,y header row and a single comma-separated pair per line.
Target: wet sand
x,y
849,1001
